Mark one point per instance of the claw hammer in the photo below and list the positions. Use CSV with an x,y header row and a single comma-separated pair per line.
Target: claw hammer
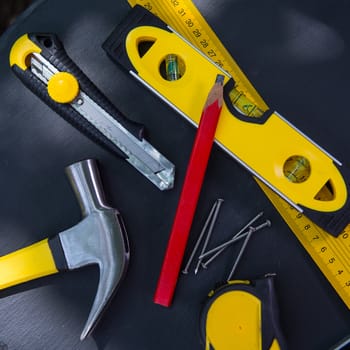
x,y
99,238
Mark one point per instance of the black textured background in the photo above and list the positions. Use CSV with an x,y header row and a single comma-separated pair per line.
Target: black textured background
x,y
296,53
9,10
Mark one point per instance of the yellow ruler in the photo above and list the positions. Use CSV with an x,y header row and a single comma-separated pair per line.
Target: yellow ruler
x,y
332,255
329,253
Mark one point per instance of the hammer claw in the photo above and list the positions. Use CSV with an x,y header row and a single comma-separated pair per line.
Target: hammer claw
x,y
93,241
107,286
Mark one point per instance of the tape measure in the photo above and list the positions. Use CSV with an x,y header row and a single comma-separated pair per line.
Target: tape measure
x,y
242,315
329,253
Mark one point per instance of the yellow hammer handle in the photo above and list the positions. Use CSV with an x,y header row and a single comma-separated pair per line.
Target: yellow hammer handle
x,y
26,264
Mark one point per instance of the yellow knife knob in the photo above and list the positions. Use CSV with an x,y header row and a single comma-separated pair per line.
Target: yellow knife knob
x,y
63,87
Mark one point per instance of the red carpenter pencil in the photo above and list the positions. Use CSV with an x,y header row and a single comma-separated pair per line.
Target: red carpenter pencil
x,y
189,195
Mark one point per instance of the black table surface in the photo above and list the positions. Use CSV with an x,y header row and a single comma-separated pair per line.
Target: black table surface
x,y
295,52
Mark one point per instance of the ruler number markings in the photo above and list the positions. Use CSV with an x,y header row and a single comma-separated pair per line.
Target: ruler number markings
x,y
148,6
195,30
323,248
175,2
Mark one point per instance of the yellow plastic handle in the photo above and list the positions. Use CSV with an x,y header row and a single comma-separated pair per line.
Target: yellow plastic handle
x,y
20,50
26,264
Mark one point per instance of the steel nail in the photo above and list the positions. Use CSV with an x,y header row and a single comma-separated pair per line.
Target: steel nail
x,y
244,245
210,230
239,256
211,259
207,221
341,345
235,238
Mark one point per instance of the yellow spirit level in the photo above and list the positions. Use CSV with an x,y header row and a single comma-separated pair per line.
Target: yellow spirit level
x,y
286,160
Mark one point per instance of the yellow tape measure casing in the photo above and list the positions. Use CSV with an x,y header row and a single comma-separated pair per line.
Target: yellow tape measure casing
x,y
242,315
234,321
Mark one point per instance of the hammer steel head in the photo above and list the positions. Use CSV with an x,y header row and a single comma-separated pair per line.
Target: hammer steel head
x,y
100,238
